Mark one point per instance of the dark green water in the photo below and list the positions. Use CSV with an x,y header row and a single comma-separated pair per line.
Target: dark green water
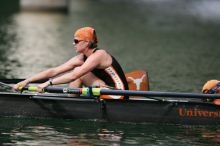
x,y
21,131
176,41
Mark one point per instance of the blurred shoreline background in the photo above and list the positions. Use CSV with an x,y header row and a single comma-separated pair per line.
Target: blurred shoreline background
x,y
177,42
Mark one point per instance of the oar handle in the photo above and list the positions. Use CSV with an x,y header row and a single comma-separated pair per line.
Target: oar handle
x,y
55,90
29,88
87,91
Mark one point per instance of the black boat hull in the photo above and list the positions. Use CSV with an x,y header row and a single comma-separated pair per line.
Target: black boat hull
x,y
135,110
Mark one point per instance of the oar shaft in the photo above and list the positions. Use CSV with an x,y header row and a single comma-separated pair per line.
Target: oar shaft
x,y
157,94
63,90
52,89
99,91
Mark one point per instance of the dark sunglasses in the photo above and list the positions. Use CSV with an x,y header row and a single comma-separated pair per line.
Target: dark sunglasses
x,y
76,41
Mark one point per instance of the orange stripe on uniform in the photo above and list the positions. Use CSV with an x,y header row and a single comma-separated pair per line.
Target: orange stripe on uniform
x,y
117,81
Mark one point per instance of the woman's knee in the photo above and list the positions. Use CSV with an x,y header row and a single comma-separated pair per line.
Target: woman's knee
x,y
91,80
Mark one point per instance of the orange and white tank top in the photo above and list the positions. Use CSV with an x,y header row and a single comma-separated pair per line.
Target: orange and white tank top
x,y
113,76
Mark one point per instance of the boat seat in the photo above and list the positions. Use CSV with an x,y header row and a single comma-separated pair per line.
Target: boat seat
x,y
138,80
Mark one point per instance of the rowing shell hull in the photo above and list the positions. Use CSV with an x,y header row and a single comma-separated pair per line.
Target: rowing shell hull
x,y
138,111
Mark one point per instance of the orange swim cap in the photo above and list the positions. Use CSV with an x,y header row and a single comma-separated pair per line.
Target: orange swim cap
x,y
86,34
211,86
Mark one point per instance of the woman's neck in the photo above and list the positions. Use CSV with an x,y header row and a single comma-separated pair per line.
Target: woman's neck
x,y
88,52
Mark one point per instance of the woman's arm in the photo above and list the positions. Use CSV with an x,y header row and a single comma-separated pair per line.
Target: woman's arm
x,y
92,62
52,72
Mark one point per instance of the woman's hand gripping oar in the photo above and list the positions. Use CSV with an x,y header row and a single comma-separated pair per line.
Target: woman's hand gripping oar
x,y
19,86
23,85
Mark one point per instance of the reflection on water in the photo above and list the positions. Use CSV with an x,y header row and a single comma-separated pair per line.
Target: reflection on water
x,y
34,48
67,132
44,135
38,132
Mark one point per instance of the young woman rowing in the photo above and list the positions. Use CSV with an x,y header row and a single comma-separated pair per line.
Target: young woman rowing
x,y
91,67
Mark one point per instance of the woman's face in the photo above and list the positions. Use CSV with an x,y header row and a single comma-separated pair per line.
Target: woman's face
x,y
80,45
